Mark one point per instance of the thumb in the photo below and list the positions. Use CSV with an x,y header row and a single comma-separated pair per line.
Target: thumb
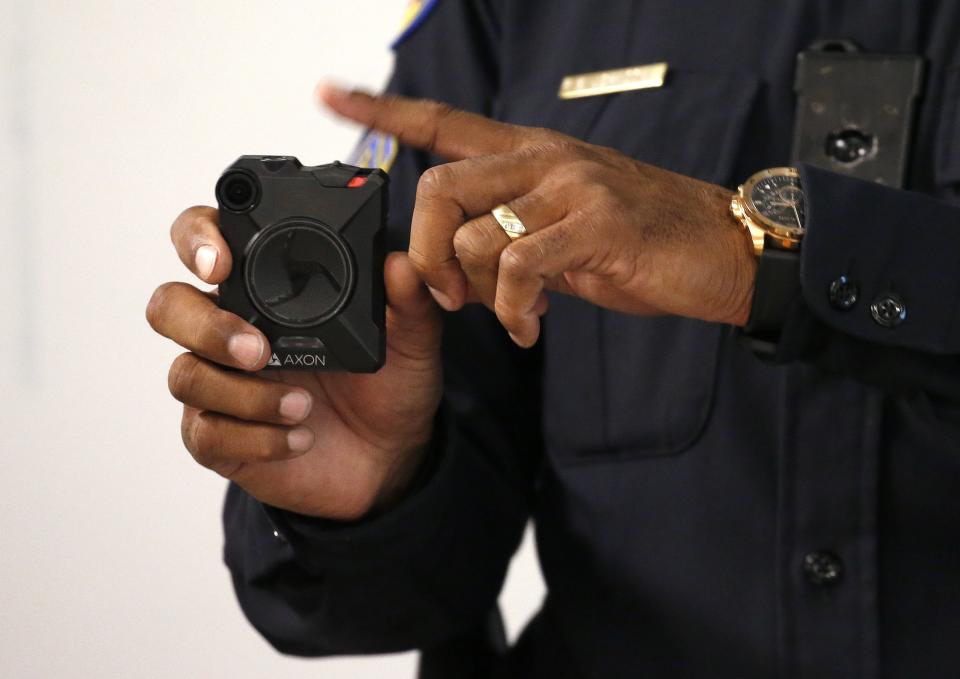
x,y
413,318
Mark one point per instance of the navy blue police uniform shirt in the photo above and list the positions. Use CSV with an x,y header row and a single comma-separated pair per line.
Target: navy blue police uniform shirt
x,y
699,511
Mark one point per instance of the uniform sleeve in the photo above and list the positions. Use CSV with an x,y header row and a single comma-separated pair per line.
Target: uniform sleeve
x,y
880,280
430,568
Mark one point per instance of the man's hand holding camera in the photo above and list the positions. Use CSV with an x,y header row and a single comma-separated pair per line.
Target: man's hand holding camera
x,y
601,226
330,444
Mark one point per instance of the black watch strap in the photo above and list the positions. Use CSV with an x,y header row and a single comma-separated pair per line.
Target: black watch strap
x,y
777,286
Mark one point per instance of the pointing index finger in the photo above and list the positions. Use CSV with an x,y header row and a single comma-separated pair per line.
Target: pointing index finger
x,y
427,125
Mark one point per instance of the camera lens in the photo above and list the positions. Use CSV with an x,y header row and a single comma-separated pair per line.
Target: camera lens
x,y
238,191
298,273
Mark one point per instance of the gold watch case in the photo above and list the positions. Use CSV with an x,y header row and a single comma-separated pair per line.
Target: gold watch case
x,y
762,229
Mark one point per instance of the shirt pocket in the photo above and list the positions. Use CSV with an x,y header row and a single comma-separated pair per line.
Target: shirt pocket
x,y
620,386
947,168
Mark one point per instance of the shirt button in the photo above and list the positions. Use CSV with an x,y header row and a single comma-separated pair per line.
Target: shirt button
x,y
844,293
276,532
822,568
888,310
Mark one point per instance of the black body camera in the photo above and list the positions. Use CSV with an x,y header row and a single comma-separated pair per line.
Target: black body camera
x,y
308,250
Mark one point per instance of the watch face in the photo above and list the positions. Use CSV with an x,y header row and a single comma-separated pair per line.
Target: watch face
x,y
779,198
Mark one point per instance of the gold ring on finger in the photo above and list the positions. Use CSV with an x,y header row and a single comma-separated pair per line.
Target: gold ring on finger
x,y
509,222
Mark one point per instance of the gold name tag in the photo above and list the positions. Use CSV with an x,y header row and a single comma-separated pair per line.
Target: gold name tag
x,y
618,80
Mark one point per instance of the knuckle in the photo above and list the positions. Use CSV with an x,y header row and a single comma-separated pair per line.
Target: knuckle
x,y
182,378
436,109
189,424
514,260
260,402
157,305
554,190
205,440
438,114
563,146
533,201
198,224
206,213
471,243
189,219
419,260
464,243
538,148
209,334
542,136
555,241
191,213
603,193
433,181
424,265
182,219
385,106
273,446
599,205
581,171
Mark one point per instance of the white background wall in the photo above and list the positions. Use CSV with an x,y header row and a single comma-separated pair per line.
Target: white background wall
x,y
113,117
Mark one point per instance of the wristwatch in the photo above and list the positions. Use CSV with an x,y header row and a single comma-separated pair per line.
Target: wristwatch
x,y
770,205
